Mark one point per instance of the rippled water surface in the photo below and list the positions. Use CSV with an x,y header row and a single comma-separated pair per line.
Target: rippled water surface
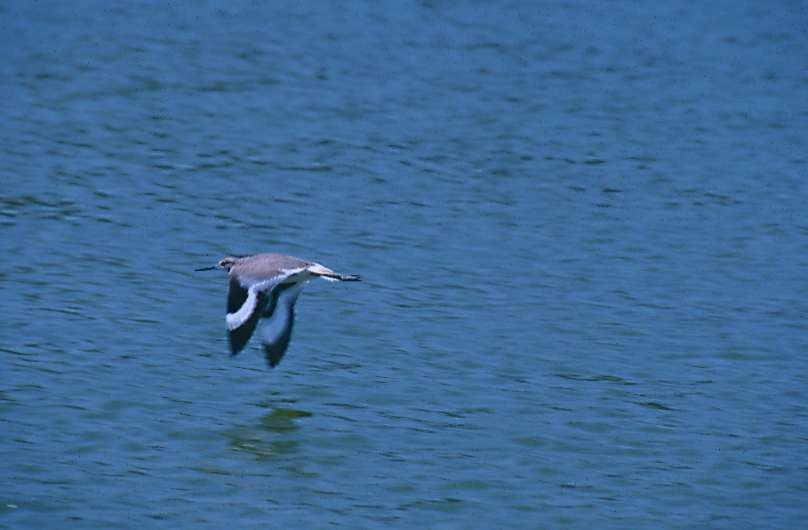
x,y
581,226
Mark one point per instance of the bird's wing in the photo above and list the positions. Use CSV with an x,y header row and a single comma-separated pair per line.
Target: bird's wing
x,y
236,295
244,307
280,314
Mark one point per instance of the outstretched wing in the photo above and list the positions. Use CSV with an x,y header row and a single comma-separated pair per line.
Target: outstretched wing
x,y
245,305
236,295
244,308
280,319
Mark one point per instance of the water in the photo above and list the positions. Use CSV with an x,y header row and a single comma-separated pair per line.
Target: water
x,y
582,231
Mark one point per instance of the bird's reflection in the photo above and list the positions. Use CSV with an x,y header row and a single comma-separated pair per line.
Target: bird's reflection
x,y
272,436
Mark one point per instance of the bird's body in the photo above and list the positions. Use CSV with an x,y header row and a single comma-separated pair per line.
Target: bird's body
x,y
267,286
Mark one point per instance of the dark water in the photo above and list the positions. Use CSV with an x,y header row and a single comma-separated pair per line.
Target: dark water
x,y
582,227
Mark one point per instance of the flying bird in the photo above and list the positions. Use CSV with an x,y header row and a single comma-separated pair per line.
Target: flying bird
x,y
267,286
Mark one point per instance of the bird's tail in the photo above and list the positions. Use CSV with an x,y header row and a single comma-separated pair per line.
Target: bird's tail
x,y
332,276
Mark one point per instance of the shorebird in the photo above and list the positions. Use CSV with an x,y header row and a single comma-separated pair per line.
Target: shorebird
x,y
267,286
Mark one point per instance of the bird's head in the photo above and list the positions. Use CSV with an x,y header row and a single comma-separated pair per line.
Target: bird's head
x,y
225,263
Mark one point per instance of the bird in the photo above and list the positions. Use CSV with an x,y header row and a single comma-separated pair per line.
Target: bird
x,y
266,286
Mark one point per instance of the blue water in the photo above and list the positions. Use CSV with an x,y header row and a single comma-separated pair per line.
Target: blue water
x,y
582,231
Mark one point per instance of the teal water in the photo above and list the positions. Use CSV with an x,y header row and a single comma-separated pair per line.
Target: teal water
x,y
581,227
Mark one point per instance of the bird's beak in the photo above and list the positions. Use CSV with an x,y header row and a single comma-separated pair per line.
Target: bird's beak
x,y
206,268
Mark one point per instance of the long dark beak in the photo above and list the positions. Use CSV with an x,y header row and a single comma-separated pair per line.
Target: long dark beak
x,y
206,268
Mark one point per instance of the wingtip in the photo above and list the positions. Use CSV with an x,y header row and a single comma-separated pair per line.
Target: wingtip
x,y
274,352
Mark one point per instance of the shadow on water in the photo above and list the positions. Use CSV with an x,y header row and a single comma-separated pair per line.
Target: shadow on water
x,y
272,436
